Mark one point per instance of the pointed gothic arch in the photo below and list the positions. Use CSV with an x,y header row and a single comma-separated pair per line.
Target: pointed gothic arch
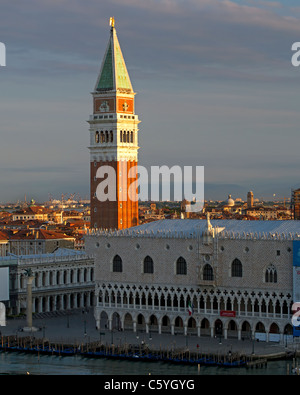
x,y
181,266
236,268
117,264
148,265
208,274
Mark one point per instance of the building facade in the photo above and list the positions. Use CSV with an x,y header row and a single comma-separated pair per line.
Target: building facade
x,y
225,278
34,212
113,143
63,280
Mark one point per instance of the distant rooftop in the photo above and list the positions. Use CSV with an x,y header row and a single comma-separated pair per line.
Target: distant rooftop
x,y
42,234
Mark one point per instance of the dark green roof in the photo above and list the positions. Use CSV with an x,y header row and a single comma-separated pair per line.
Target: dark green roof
x,y
106,76
113,73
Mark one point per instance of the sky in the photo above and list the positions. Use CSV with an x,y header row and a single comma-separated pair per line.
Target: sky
x,y
214,80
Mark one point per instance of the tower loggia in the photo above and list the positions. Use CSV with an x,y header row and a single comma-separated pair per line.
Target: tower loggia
x,y
113,143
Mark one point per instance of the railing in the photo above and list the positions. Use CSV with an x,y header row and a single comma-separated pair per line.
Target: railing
x,y
55,287
53,258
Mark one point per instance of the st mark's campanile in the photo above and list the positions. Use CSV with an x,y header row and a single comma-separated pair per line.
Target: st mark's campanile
x,y
113,143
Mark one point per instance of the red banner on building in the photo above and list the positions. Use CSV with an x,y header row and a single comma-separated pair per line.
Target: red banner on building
x,y
227,313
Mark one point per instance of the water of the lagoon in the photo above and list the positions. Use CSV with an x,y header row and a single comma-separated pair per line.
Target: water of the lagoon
x,y
12,363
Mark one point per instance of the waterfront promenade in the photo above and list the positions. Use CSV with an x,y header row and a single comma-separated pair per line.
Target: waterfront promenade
x,y
79,328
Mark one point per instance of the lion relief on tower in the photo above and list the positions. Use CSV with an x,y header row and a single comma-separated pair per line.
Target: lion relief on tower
x,y
104,107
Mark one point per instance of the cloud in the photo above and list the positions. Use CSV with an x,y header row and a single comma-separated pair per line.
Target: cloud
x,y
199,39
214,80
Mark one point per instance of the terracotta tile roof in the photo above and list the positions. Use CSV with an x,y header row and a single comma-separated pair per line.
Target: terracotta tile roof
x,y
31,210
3,235
42,234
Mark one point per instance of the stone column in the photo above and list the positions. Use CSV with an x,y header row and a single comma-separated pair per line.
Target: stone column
x,y
29,301
2,314
185,329
225,333
29,327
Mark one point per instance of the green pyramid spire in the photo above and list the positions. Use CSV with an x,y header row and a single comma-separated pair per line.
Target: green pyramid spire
x,y
113,73
106,76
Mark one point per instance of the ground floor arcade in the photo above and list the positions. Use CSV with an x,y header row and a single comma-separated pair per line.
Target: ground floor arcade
x,y
195,325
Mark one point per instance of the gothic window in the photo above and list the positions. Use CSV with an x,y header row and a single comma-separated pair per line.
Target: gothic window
x,y
117,264
271,274
111,136
181,267
121,136
127,137
148,265
97,137
131,137
101,137
106,136
236,268
208,273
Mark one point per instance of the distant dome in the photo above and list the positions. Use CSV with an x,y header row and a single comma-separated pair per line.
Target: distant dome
x,y
230,202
